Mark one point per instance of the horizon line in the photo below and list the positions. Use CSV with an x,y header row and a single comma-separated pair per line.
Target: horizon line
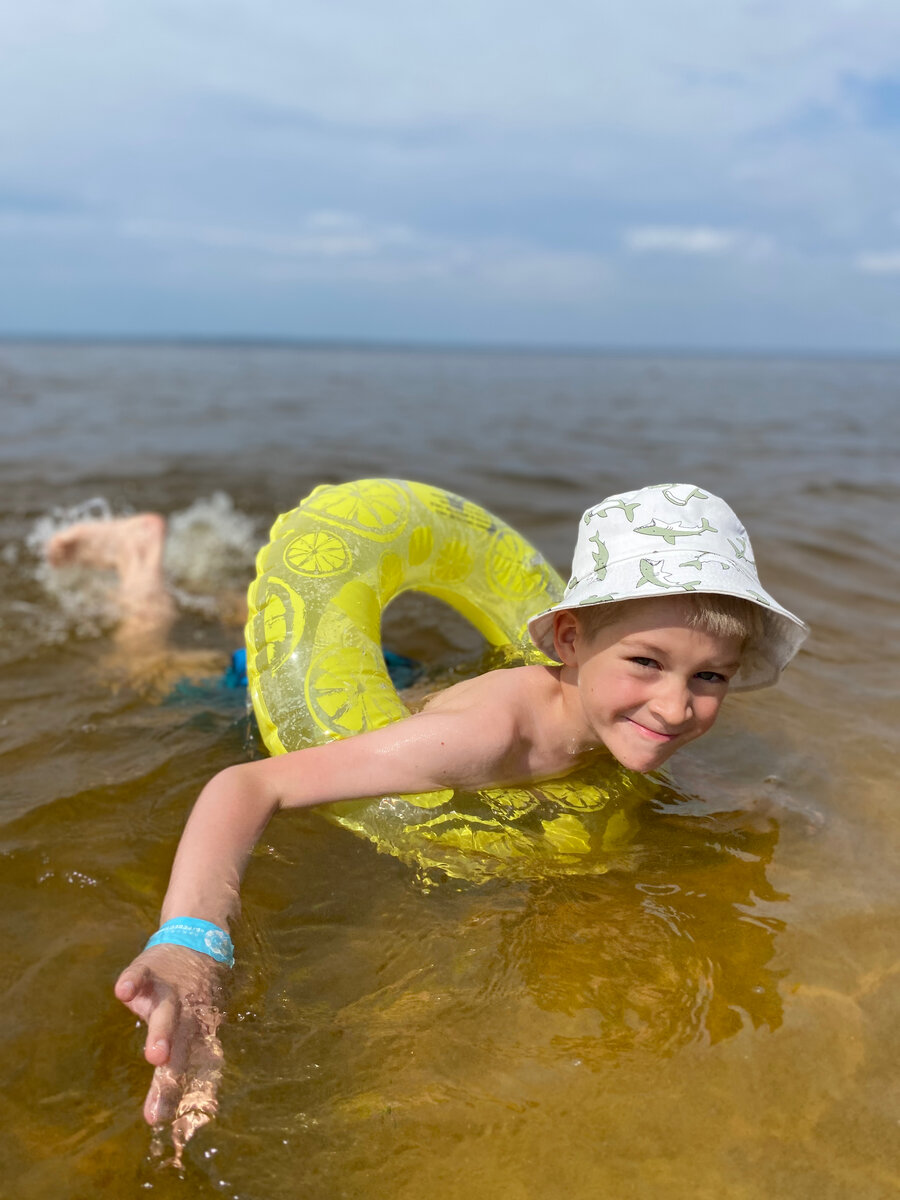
x,y
411,345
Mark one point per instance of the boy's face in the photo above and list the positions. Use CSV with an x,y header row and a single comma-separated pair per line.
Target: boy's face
x,y
648,683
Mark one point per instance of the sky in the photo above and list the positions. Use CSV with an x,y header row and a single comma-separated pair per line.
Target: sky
x,y
657,175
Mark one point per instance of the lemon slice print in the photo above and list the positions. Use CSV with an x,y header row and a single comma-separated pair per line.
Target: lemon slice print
x,y
510,802
319,552
421,543
282,615
390,576
453,563
348,692
567,835
573,794
376,508
513,567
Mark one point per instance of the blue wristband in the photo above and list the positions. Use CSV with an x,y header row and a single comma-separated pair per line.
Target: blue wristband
x,y
196,935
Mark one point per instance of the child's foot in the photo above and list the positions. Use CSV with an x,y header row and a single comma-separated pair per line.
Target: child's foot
x,y
133,548
119,545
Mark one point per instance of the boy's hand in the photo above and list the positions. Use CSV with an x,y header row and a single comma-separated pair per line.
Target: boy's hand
x,y
176,991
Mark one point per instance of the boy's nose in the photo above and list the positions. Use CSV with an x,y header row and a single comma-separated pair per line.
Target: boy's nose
x,y
671,703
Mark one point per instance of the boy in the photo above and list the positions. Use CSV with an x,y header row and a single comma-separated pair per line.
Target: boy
x,y
664,611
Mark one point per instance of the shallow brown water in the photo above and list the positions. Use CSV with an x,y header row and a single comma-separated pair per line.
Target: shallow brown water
x,y
714,1017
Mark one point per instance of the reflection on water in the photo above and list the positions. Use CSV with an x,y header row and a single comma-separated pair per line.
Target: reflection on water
x,y
714,1015
681,953
505,1006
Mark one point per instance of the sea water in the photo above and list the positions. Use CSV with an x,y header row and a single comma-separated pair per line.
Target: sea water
x,y
715,1016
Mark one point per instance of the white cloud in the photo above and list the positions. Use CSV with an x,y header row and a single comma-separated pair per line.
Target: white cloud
x,y
695,239
655,67
491,144
885,263
538,276
322,235
329,245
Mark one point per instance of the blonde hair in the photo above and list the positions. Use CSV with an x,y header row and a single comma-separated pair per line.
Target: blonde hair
x,y
712,613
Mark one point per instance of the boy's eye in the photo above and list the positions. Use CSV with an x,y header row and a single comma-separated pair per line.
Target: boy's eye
x,y
712,677
644,662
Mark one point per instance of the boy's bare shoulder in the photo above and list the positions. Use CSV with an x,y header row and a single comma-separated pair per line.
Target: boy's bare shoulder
x,y
496,724
511,688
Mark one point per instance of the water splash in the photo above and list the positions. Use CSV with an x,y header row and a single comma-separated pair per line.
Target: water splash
x,y
209,553
210,550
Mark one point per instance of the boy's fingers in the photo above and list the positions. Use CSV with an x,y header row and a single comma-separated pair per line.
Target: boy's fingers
x,y
130,982
201,1073
163,1097
172,990
125,988
162,1023
135,988
175,1029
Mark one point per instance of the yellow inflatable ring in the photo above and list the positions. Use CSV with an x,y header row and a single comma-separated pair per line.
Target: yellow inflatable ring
x,y
316,669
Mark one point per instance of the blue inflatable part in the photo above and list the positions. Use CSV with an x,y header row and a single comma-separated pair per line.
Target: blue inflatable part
x,y
403,671
236,674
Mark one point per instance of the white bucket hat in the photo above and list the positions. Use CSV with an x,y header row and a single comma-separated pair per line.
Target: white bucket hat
x,y
667,538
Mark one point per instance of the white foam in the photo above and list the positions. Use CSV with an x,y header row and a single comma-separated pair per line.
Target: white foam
x,y
211,546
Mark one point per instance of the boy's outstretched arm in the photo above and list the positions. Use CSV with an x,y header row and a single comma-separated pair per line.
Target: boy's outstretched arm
x,y
174,989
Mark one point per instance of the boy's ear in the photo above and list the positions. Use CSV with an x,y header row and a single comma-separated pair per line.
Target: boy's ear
x,y
565,631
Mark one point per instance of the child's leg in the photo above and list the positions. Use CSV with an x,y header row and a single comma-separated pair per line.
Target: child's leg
x,y
133,548
143,655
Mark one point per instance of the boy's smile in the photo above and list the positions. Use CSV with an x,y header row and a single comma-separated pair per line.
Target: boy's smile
x,y
647,684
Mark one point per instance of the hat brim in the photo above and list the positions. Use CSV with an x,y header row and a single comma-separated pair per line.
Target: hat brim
x,y
764,658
